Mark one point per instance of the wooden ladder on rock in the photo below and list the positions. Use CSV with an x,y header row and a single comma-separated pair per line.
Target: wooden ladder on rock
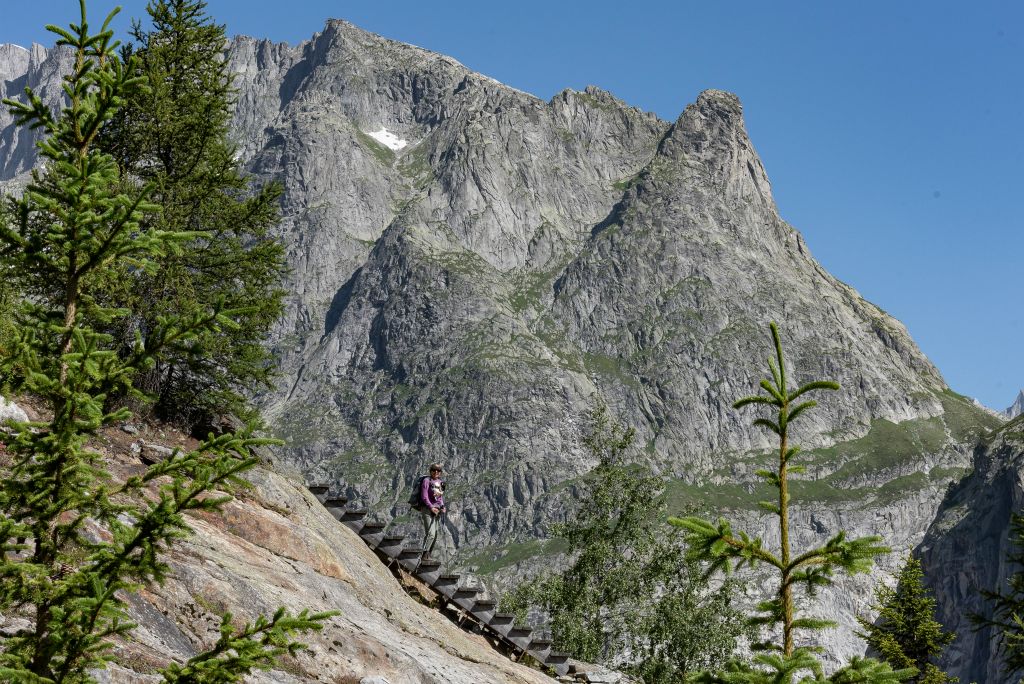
x,y
391,549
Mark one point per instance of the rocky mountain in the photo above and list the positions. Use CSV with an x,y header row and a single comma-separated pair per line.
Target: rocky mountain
x,y
1017,408
473,270
965,551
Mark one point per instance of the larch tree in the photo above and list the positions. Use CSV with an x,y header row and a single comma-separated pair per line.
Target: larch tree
x,y
629,596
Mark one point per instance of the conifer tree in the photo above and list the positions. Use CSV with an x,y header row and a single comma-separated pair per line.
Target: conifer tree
x,y
780,659
175,136
73,539
906,634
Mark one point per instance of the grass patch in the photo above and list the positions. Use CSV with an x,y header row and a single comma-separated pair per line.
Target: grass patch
x,y
712,498
530,287
627,183
606,104
610,367
886,444
416,166
885,447
965,420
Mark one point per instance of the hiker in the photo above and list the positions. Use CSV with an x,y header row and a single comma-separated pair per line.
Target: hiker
x,y
431,508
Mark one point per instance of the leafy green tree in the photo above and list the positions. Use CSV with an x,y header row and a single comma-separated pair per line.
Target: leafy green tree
x,y
174,137
1007,607
690,628
73,539
906,634
779,658
629,591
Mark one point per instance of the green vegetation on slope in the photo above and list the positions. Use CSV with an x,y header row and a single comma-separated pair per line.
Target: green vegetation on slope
x,y
894,452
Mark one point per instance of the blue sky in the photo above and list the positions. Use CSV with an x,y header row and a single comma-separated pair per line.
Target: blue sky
x,y
893,132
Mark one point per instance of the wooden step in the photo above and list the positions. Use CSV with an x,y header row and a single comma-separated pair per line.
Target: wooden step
x,y
391,545
539,649
483,609
559,662
447,584
372,532
335,501
519,635
502,622
348,514
319,491
464,597
354,518
428,571
410,558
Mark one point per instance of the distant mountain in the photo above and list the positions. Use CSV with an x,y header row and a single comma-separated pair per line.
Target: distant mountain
x,y
1017,408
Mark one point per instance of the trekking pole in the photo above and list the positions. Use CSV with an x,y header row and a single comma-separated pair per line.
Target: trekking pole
x,y
444,533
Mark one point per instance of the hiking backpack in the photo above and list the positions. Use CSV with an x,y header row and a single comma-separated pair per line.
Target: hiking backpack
x,y
415,496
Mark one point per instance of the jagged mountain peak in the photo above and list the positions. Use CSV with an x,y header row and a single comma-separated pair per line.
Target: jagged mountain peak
x,y
712,132
42,70
1017,407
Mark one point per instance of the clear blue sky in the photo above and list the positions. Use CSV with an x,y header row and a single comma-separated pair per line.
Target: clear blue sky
x,y
893,132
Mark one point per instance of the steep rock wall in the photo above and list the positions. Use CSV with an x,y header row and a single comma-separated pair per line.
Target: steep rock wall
x,y
965,551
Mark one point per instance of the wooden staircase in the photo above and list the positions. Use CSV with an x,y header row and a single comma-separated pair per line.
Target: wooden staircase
x,y
392,549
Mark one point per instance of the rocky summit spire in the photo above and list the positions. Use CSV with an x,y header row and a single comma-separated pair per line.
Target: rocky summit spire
x,y
1017,407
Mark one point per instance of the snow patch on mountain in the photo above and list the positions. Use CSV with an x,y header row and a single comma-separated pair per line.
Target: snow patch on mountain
x,y
388,139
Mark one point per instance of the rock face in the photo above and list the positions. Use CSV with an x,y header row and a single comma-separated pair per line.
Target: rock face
x,y
276,545
42,70
11,411
474,269
1017,408
965,551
